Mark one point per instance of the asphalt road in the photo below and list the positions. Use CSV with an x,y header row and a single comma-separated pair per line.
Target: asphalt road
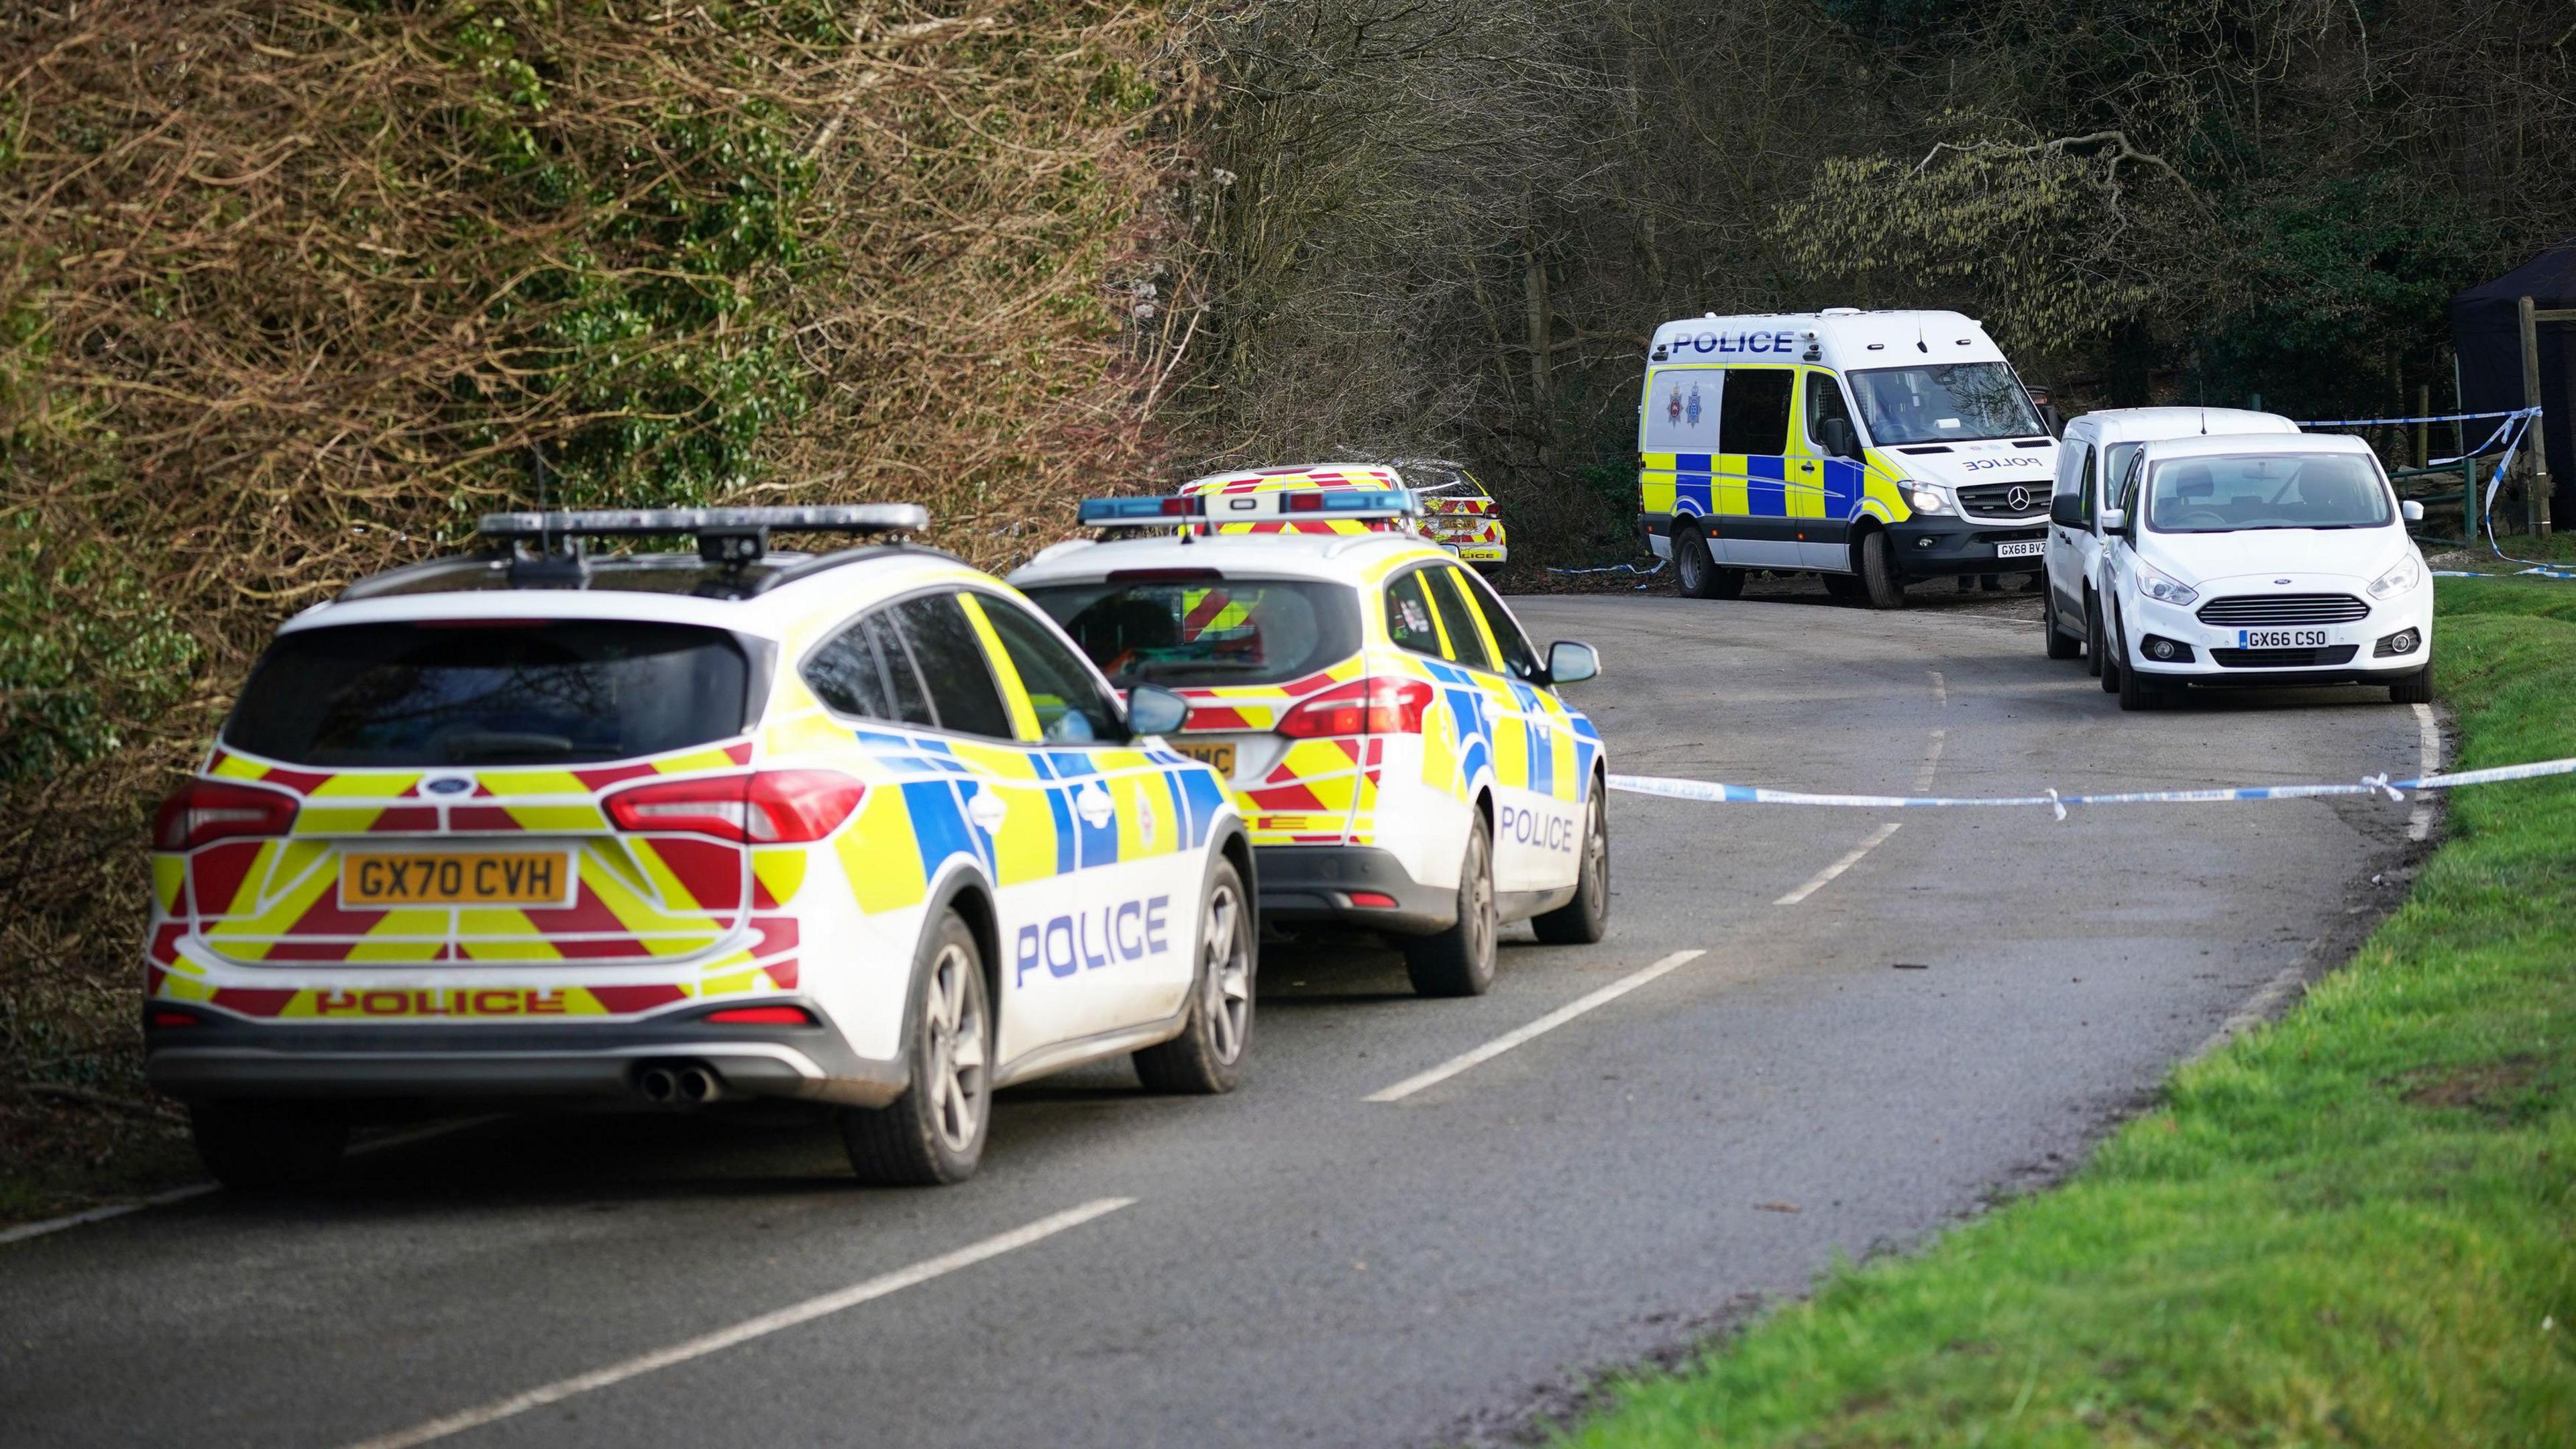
x,y
1296,1264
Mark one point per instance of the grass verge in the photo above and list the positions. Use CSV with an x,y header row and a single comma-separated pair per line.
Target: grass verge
x,y
2357,1226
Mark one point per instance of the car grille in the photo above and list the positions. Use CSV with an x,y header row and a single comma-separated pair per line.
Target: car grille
x,y
2259,611
2284,658
1994,500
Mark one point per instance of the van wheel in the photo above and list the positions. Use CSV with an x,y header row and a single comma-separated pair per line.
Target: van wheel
x,y
2416,688
1207,1057
1586,918
1460,961
1878,576
267,1147
934,1133
2061,645
1697,572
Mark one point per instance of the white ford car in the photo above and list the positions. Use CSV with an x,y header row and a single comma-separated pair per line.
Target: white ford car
x,y
2277,559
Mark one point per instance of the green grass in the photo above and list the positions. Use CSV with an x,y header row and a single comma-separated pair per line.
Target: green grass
x,y
2357,1226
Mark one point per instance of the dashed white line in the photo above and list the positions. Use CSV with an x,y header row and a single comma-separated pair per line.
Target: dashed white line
x,y
2428,748
1931,761
1547,1023
749,1328
1825,877
1940,688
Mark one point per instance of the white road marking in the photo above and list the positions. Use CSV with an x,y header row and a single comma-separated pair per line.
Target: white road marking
x,y
1547,1023
1931,761
749,1328
2428,746
1940,688
1825,877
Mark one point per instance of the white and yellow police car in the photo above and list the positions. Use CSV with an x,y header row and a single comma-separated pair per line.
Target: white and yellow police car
x,y
1456,511
1398,747
861,829
1872,448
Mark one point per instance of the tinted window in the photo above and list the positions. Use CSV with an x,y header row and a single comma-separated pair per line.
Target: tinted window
x,y
1408,616
951,660
2115,468
864,671
2278,490
1825,405
1756,411
490,694
1956,403
1518,656
2091,483
1207,632
1465,645
1071,707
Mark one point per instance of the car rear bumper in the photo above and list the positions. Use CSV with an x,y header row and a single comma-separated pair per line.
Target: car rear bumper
x,y
228,1058
1312,883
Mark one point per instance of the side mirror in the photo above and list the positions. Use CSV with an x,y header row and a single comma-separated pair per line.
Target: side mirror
x,y
1839,439
1572,663
1154,710
2115,520
2411,511
2066,510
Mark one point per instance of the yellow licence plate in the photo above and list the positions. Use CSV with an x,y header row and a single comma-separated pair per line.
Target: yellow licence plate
x,y
501,878
1217,755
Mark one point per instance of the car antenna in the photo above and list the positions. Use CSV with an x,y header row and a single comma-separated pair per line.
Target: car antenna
x,y
2204,422
1919,344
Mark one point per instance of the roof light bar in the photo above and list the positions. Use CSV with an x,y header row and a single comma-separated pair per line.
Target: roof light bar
x,y
1139,512
1250,506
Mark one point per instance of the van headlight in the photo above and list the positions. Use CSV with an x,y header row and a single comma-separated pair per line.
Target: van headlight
x,y
1926,498
2165,589
2401,579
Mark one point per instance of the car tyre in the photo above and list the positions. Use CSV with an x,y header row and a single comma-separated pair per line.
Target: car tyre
x,y
2415,688
1207,1057
267,1147
2139,691
2104,667
934,1133
2061,645
1460,960
1586,918
1880,581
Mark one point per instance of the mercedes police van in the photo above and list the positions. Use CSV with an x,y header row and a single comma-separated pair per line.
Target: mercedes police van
x,y
1874,448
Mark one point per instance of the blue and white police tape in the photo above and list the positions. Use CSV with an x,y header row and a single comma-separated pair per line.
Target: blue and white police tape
x,y
1626,568
2392,422
1712,793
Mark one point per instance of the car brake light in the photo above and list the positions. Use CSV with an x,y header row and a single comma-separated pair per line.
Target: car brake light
x,y
209,810
1373,900
1362,707
760,1016
770,807
1303,503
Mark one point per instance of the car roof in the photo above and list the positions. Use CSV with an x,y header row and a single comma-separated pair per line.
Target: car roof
x,y
2129,425
1296,475
2231,445
1356,559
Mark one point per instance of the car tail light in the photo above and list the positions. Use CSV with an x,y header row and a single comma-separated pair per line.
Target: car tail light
x,y
209,810
771,807
1373,900
1361,707
760,1016
172,1019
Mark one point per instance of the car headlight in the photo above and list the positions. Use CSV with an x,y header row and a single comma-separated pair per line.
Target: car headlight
x,y
2163,588
1925,498
2408,573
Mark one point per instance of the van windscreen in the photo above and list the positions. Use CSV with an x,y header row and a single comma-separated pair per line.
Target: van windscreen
x,y
482,692
1960,402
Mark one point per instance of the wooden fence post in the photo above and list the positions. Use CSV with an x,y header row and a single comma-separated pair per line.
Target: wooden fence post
x,y
2536,485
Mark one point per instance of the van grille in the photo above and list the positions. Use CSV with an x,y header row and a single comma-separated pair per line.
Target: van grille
x,y
2239,611
1995,500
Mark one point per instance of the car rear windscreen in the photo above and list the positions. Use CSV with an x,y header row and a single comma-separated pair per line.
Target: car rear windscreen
x,y
1207,633
476,692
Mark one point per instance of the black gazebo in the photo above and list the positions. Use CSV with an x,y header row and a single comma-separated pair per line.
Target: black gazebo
x,y
2486,328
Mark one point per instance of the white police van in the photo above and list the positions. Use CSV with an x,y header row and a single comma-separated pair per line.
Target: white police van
x,y
1873,448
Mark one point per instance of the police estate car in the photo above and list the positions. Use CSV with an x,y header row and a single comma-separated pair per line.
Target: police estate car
x,y
861,829
1397,746
1455,510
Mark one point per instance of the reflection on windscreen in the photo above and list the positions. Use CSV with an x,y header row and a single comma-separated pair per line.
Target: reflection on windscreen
x,y
2223,495
1206,633
1960,403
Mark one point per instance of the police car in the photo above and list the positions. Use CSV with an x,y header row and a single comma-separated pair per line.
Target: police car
x,y
859,829
1872,448
1398,748
1456,511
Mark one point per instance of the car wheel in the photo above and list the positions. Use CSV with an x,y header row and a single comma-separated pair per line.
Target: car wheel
x,y
2061,645
1878,576
1207,1057
1460,960
2415,688
1586,918
934,1133
2138,691
267,1146
2103,664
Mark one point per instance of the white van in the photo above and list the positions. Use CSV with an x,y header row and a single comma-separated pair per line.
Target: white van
x,y
1874,448
2095,450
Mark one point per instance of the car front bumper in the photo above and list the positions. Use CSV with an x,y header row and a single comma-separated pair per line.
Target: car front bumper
x,y
2217,660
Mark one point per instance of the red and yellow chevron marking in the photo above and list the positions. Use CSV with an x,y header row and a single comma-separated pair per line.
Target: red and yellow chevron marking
x,y
1281,480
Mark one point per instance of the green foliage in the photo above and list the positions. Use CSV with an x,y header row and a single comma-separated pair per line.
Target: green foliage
x,y
84,651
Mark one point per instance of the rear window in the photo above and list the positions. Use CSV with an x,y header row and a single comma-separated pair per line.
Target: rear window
x,y
490,694
1207,632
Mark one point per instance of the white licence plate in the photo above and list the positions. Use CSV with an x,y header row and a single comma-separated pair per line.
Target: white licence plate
x,y
2031,548
2283,638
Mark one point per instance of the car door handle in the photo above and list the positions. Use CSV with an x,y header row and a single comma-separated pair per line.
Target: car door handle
x,y
987,811
1092,804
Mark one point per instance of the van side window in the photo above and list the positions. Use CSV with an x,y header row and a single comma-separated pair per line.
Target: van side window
x,y
1829,424
1754,417
1681,410
2091,485
2115,470
2070,467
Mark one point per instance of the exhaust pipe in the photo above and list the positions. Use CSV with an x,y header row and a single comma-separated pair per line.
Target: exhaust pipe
x,y
659,1085
698,1086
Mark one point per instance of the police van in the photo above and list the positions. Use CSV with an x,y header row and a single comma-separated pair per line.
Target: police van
x,y
1876,449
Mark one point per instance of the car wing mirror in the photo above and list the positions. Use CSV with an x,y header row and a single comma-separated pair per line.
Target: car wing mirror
x,y
2411,511
1154,710
2115,520
2066,510
1571,663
